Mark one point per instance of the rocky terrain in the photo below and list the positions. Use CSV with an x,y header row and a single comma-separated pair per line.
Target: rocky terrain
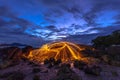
x,y
30,71
95,65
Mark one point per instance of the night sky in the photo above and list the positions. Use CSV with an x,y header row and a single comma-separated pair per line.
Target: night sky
x,y
35,22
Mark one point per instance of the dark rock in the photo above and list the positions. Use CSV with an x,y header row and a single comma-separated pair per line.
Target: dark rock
x,y
93,70
64,68
36,77
65,73
11,53
65,65
50,65
105,58
91,60
27,50
46,61
57,62
13,76
70,76
113,50
87,53
36,70
33,64
5,64
52,60
115,73
44,71
79,64
115,63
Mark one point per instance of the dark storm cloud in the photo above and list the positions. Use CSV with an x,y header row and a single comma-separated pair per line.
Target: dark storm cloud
x,y
12,28
87,38
24,39
81,39
11,19
118,20
53,28
86,10
100,6
38,21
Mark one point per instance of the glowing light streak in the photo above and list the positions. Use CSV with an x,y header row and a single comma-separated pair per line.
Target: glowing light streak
x,y
65,51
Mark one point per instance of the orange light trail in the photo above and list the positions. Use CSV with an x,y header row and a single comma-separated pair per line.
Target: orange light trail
x,y
65,51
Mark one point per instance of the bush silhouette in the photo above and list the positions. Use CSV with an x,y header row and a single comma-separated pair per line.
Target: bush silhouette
x,y
106,41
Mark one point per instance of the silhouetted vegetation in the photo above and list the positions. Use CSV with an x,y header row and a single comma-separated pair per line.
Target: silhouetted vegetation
x,y
106,41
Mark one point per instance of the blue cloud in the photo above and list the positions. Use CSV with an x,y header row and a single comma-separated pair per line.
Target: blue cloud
x,y
106,18
40,21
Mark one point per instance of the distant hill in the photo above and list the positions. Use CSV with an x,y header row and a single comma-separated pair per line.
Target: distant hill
x,y
13,45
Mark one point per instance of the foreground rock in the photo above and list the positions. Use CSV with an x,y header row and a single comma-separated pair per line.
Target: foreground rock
x,y
13,76
93,70
80,64
10,56
65,73
11,53
27,50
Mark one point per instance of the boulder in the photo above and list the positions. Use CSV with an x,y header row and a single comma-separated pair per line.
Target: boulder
x,y
113,50
44,70
65,73
91,60
13,76
87,53
105,58
46,61
11,53
5,64
36,70
93,70
27,50
79,64
115,63
36,77
57,62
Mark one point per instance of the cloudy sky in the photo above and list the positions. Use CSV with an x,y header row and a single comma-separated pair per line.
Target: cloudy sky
x,y
36,22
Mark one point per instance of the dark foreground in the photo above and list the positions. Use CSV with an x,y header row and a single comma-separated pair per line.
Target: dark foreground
x,y
31,71
95,65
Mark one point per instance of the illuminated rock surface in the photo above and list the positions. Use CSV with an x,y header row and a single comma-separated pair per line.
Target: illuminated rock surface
x,y
65,51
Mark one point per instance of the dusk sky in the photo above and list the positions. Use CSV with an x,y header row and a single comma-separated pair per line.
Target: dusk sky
x,y
35,22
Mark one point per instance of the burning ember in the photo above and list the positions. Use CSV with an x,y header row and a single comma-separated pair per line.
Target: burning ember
x,y
65,51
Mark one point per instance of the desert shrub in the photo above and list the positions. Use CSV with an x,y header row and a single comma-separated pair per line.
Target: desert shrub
x,y
106,41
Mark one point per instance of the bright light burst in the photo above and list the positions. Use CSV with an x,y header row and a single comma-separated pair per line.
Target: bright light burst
x,y
65,51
